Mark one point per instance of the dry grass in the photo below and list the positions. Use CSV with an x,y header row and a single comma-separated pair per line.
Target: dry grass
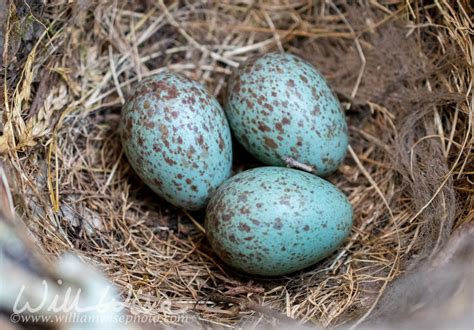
x,y
403,72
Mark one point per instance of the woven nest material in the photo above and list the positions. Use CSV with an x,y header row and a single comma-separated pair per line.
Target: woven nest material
x,y
403,71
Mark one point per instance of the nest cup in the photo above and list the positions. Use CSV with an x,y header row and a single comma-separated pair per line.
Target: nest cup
x,y
403,73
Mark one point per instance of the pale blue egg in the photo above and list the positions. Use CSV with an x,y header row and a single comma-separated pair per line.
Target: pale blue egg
x,y
279,106
274,220
177,139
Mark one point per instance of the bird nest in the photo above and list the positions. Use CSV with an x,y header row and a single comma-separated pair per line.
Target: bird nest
x,y
401,69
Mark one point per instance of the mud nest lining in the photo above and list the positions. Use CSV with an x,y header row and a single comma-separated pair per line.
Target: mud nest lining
x,y
402,70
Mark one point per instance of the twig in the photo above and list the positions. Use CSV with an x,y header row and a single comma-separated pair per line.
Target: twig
x,y
115,75
293,163
196,223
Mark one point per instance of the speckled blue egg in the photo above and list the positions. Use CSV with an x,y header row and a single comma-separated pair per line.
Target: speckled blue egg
x,y
274,220
279,107
177,139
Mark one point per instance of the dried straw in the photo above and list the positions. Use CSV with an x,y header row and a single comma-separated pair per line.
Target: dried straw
x,y
402,70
